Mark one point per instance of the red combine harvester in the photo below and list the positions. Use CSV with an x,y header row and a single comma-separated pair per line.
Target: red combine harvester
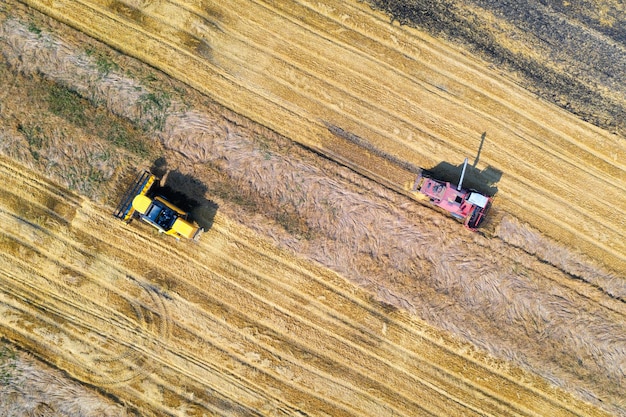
x,y
469,206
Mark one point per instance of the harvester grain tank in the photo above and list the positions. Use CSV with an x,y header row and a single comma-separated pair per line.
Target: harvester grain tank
x,y
469,206
140,200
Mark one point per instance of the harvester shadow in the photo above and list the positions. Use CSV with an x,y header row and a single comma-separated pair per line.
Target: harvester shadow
x,y
483,181
186,192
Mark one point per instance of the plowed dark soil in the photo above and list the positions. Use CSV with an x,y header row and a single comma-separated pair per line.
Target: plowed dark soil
x,y
571,53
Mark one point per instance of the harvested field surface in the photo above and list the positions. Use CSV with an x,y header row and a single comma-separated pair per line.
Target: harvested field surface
x,y
267,326
230,326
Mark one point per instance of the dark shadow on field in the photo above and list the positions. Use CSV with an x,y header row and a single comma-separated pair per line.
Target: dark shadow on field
x,y
186,192
483,181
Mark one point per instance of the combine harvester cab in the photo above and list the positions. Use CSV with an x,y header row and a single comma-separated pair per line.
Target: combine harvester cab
x,y
139,201
468,206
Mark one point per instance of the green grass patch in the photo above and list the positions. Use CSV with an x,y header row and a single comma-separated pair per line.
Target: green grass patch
x,y
33,28
33,134
95,177
35,137
120,135
104,63
8,364
68,105
65,103
150,78
154,107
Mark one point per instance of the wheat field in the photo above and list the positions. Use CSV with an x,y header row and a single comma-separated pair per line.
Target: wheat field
x,y
353,299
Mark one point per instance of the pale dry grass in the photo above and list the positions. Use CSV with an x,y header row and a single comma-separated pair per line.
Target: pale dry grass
x,y
504,299
34,389
58,59
575,263
81,152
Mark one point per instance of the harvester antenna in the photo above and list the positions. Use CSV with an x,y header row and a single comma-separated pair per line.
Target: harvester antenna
x,y
458,187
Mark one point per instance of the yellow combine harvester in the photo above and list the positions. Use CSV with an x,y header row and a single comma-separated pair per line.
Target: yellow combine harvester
x,y
140,201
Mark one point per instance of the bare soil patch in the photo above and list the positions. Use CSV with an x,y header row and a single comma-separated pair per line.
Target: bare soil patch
x,y
572,54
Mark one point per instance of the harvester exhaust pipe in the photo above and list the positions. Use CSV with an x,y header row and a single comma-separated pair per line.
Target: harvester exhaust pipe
x,y
458,187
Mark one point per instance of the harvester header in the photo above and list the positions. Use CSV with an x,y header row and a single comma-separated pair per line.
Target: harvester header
x,y
141,186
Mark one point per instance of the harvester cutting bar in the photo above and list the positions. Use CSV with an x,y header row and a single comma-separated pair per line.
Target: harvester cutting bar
x,y
143,183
